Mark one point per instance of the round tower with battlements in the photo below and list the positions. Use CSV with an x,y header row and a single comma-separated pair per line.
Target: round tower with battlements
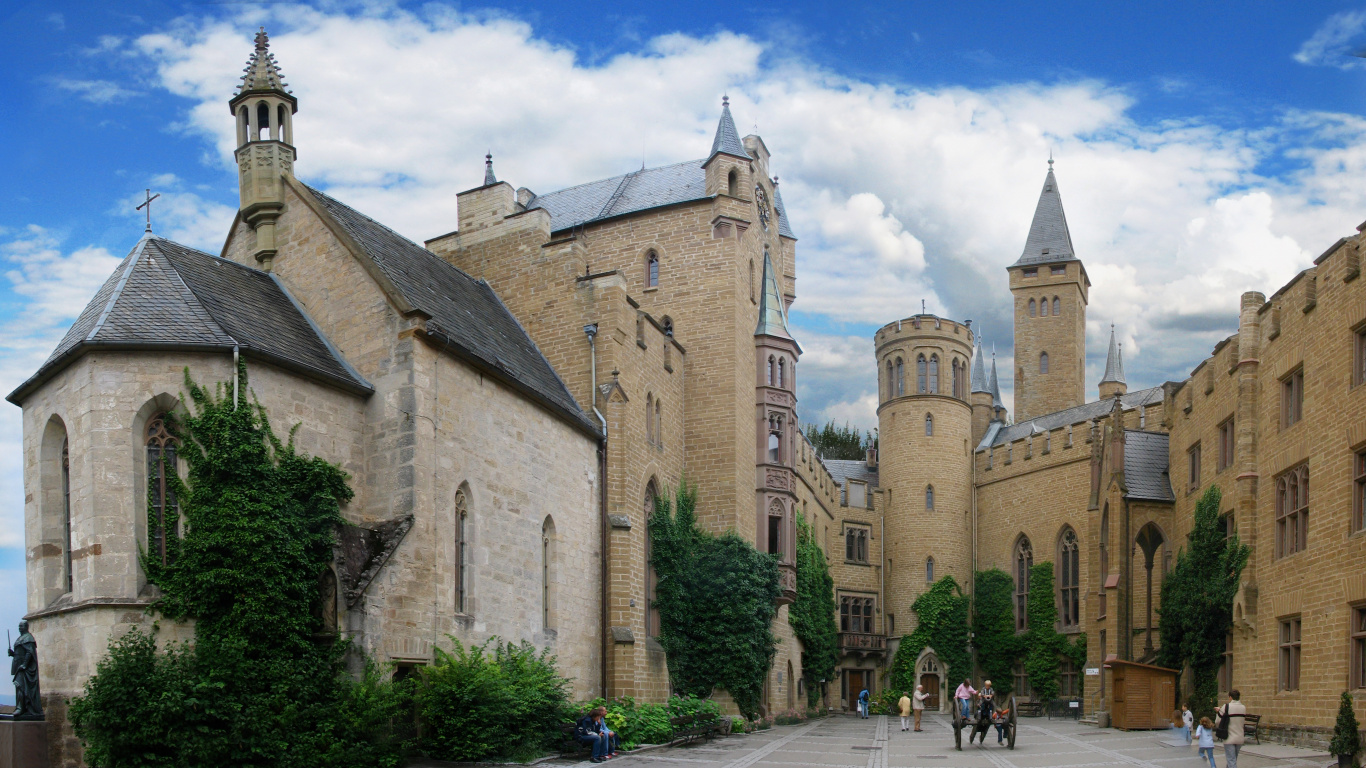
x,y
925,433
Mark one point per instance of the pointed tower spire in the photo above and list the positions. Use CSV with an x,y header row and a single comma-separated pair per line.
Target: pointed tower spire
x,y
1049,239
995,386
979,369
727,139
772,316
264,112
489,178
1113,383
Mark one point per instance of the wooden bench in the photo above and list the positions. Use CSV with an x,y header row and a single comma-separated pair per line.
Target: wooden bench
x,y
1250,723
696,726
1029,708
570,744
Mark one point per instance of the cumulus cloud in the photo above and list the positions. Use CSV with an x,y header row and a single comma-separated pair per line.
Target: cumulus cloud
x,y
1331,44
95,91
183,215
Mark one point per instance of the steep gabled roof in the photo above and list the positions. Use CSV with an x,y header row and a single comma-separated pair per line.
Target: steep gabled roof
x,y
1078,414
628,193
843,470
167,296
1114,362
1146,472
1049,239
727,139
464,312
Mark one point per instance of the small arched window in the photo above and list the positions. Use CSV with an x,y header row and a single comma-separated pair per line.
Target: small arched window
x,y
262,121
280,123
752,297
659,423
782,369
732,183
1032,308
929,569
1057,306
774,448
900,378
67,542
1069,578
957,379
1043,362
161,467
650,418
1024,561
921,372
461,548
547,571
772,369
651,614
891,382
929,425
929,498
651,270
934,374
1043,307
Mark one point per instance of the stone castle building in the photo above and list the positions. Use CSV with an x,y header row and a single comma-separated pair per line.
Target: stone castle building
x,y
510,399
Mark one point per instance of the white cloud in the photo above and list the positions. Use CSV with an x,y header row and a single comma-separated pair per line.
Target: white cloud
x,y
96,91
1330,45
182,215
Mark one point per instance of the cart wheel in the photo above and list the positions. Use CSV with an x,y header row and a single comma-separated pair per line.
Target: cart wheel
x,y
1011,729
957,728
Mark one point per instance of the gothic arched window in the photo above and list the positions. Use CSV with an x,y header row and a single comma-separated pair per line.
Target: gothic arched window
x,y
929,425
164,523
651,614
929,498
1043,307
1043,362
921,373
772,369
929,569
782,369
1032,308
900,378
1057,306
958,380
1024,561
891,388
547,571
732,183
934,374
1069,578
461,548
651,270
66,512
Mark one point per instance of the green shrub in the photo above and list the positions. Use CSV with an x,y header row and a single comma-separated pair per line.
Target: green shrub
x,y
480,703
1346,732
999,649
942,624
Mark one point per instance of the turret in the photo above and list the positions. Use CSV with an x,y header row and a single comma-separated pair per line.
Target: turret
x,y
980,398
1050,287
728,164
1112,384
775,355
998,406
264,112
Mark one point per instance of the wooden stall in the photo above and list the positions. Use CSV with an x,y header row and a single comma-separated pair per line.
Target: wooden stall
x,y
1142,696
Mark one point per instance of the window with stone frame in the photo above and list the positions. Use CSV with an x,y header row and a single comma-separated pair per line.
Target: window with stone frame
x,y
929,570
921,374
1069,579
1022,689
1358,651
1043,307
1032,272
856,614
1057,306
651,270
547,571
161,466
650,418
929,425
1292,398
929,498
1193,467
1359,492
1226,435
659,424
782,371
1033,308
900,378
67,542
461,550
1359,353
1024,561
856,544
934,375
957,379
1292,511
1043,362
1057,270
1069,682
1289,645
891,382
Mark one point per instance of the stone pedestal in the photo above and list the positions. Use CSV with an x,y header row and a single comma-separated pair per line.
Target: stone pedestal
x,y
23,744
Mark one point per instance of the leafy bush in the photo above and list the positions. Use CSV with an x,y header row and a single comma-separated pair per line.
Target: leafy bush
x,y
812,616
256,688
715,598
942,613
885,703
481,703
1346,732
999,649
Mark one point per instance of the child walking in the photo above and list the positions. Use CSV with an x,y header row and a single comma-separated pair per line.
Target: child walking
x,y
1187,720
1204,735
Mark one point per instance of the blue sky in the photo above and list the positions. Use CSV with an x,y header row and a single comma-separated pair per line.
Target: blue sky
x,y
1202,149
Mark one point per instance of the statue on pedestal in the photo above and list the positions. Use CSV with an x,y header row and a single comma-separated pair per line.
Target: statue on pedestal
x,y
27,698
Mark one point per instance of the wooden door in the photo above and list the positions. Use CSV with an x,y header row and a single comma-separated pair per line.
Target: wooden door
x,y
931,685
858,681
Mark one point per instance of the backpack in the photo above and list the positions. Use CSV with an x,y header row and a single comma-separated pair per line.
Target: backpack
x,y
1221,730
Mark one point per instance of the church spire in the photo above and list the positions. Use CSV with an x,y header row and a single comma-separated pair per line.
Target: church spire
x,y
979,371
995,387
772,317
1049,239
262,74
489,178
264,112
727,141
1113,383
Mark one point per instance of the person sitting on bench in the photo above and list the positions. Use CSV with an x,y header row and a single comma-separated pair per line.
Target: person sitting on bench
x,y
593,730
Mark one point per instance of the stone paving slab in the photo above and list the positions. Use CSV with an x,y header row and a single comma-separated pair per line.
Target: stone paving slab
x,y
849,742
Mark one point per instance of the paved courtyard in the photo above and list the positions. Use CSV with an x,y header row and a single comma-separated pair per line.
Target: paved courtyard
x,y
848,742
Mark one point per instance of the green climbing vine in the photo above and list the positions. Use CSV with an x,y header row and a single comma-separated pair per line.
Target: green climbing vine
x,y
999,647
1046,647
1196,612
942,624
812,616
715,598
257,687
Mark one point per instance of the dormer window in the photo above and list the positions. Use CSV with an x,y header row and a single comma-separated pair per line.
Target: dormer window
x,y
857,494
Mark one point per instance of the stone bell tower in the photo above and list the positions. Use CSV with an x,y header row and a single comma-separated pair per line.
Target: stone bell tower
x,y
264,113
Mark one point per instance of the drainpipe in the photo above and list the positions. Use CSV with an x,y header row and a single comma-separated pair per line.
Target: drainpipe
x,y
972,578
235,378
592,332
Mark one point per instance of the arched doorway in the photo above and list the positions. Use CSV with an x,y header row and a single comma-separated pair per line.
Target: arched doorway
x,y
1150,541
791,689
930,673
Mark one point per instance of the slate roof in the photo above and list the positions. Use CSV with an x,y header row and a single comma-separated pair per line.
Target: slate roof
x,y
784,228
843,470
627,193
165,295
772,317
1145,466
1049,239
727,139
1069,416
1114,362
464,311
979,370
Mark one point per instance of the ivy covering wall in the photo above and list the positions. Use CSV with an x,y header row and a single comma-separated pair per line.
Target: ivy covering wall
x,y
942,624
812,616
1045,646
715,596
999,648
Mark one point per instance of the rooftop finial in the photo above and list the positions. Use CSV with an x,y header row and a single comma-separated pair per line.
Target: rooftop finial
x,y
489,178
262,40
725,100
1050,158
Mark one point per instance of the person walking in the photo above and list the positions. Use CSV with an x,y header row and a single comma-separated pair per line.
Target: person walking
x,y
1187,722
1204,738
918,705
904,704
863,704
1231,717
963,697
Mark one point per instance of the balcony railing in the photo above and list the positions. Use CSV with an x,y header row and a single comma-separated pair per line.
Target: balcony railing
x,y
862,642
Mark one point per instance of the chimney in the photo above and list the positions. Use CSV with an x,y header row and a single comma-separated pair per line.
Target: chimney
x,y
872,458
